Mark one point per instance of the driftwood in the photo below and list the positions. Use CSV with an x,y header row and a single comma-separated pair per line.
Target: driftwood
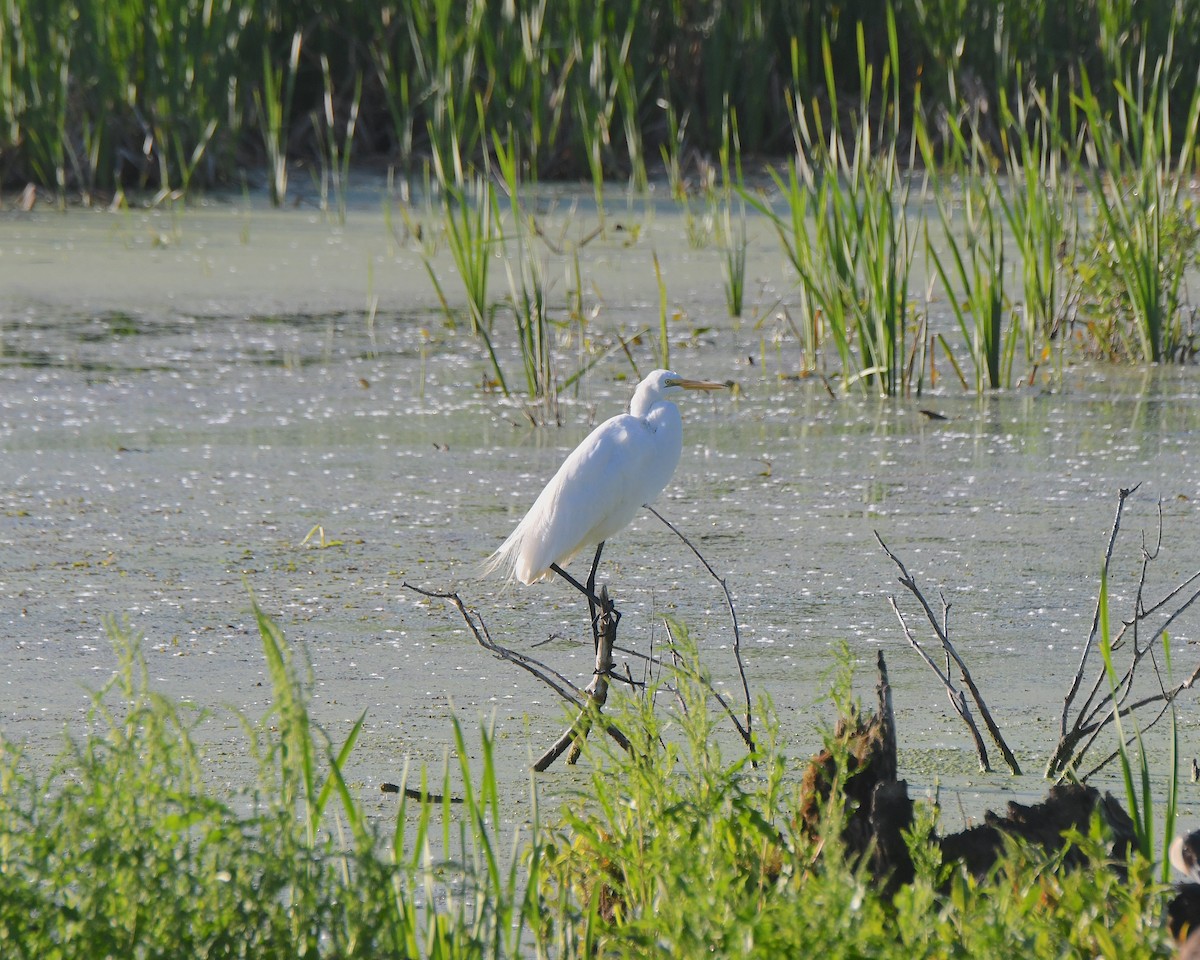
x,y
877,809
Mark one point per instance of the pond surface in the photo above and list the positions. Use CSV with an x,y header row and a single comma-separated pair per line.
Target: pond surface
x,y
186,397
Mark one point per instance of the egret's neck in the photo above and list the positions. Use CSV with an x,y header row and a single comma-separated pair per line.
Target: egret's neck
x,y
644,399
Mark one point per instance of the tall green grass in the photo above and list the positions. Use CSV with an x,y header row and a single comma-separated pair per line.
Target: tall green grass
x,y
128,849
96,94
846,229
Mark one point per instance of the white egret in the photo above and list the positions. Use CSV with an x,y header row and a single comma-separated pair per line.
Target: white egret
x,y
621,465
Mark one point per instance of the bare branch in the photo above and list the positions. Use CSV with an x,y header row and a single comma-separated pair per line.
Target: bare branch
x,y
1125,494
957,700
746,731
942,632
552,678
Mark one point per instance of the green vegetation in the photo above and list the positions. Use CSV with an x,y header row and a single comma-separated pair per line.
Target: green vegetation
x,y
952,135
126,849
99,93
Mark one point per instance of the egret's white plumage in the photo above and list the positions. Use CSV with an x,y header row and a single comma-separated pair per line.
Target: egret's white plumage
x,y
621,465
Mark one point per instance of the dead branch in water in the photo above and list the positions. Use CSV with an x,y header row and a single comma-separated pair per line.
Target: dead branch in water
x,y
746,730
957,699
552,678
1141,636
588,701
595,693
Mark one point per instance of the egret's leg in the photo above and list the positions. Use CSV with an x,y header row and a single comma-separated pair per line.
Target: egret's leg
x,y
591,592
592,598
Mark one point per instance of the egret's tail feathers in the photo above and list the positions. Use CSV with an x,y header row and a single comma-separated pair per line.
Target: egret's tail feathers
x,y
506,561
499,562
512,562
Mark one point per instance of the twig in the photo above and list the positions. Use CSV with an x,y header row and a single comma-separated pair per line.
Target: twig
x,y
942,632
587,700
747,730
957,700
1125,493
552,678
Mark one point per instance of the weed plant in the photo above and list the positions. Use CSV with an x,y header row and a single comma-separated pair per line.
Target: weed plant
x,y
675,848
99,95
126,849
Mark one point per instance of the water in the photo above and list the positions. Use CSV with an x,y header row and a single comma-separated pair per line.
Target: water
x,y
186,398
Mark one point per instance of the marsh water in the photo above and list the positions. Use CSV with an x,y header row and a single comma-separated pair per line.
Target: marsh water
x,y
207,403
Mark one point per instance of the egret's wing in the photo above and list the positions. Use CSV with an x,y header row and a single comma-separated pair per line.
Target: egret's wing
x,y
595,492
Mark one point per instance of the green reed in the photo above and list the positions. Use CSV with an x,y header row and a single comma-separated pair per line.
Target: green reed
x,y
855,259
734,242
526,283
733,247
1137,174
127,848
975,284
336,145
472,232
171,94
968,258
274,106
1039,207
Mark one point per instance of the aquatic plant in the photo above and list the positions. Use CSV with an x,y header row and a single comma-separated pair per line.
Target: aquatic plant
x,y
1039,207
337,146
172,95
733,248
854,262
1147,233
974,283
1140,796
527,285
274,107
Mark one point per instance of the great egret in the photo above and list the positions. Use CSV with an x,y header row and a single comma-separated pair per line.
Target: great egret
x,y
621,465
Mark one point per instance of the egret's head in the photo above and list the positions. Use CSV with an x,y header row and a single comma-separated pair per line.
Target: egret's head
x,y
673,382
661,384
